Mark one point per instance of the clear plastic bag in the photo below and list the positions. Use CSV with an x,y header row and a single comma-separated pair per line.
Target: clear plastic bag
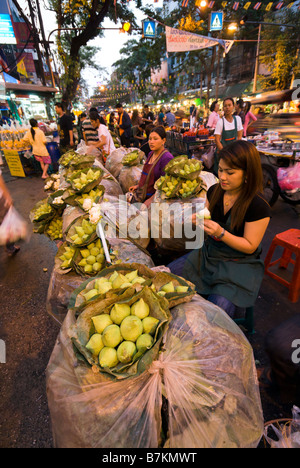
x,y
13,228
205,372
286,432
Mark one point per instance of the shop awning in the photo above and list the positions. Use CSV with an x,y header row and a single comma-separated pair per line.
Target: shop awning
x,y
234,91
273,97
30,88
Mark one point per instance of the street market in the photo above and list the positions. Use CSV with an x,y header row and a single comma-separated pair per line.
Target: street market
x,y
142,306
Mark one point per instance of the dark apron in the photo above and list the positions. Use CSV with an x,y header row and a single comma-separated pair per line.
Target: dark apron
x,y
227,137
219,269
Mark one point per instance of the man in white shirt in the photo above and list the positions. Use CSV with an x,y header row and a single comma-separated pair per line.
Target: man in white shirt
x,y
229,128
105,143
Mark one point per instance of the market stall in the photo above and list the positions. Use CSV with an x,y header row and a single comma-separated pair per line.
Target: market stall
x,y
141,360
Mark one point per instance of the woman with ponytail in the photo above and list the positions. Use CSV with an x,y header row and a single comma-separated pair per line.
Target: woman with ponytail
x,y
37,139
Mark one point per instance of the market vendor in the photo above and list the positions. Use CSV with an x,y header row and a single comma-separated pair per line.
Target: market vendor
x,y
153,168
229,128
105,143
227,270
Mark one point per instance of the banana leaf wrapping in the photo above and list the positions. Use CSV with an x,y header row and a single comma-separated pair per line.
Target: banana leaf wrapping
x,y
39,220
205,370
59,204
173,163
139,157
90,185
58,235
71,231
165,191
63,283
82,330
199,190
157,279
81,161
80,269
58,261
66,159
52,183
70,214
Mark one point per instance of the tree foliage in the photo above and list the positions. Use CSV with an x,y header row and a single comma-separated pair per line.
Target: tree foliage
x,y
78,22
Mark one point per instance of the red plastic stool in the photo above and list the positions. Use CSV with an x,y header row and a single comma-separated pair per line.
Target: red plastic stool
x,y
290,241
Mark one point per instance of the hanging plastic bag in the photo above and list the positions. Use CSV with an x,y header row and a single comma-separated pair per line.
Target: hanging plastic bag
x,y
13,228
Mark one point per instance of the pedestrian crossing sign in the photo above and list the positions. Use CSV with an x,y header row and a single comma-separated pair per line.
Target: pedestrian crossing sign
x,y
216,21
149,28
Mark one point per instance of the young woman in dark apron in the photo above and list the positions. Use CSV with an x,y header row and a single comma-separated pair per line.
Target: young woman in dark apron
x,y
227,270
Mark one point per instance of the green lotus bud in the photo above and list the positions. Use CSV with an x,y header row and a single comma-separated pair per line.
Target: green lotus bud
x,y
111,336
131,328
181,289
97,266
120,279
108,357
140,309
113,276
144,341
94,251
125,352
85,253
91,259
95,344
133,274
101,322
169,287
88,269
79,231
104,287
82,262
139,280
150,325
119,312
90,294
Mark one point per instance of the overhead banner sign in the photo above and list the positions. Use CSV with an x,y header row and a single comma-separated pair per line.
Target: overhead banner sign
x,y
184,41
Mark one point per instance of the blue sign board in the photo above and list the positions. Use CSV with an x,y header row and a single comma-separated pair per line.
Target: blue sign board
x,y
216,21
7,35
149,28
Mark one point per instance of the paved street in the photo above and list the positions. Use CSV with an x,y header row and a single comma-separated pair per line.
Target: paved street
x,y
30,334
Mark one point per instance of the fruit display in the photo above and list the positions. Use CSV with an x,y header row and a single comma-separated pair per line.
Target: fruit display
x,y
85,179
54,229
133,158
81,232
